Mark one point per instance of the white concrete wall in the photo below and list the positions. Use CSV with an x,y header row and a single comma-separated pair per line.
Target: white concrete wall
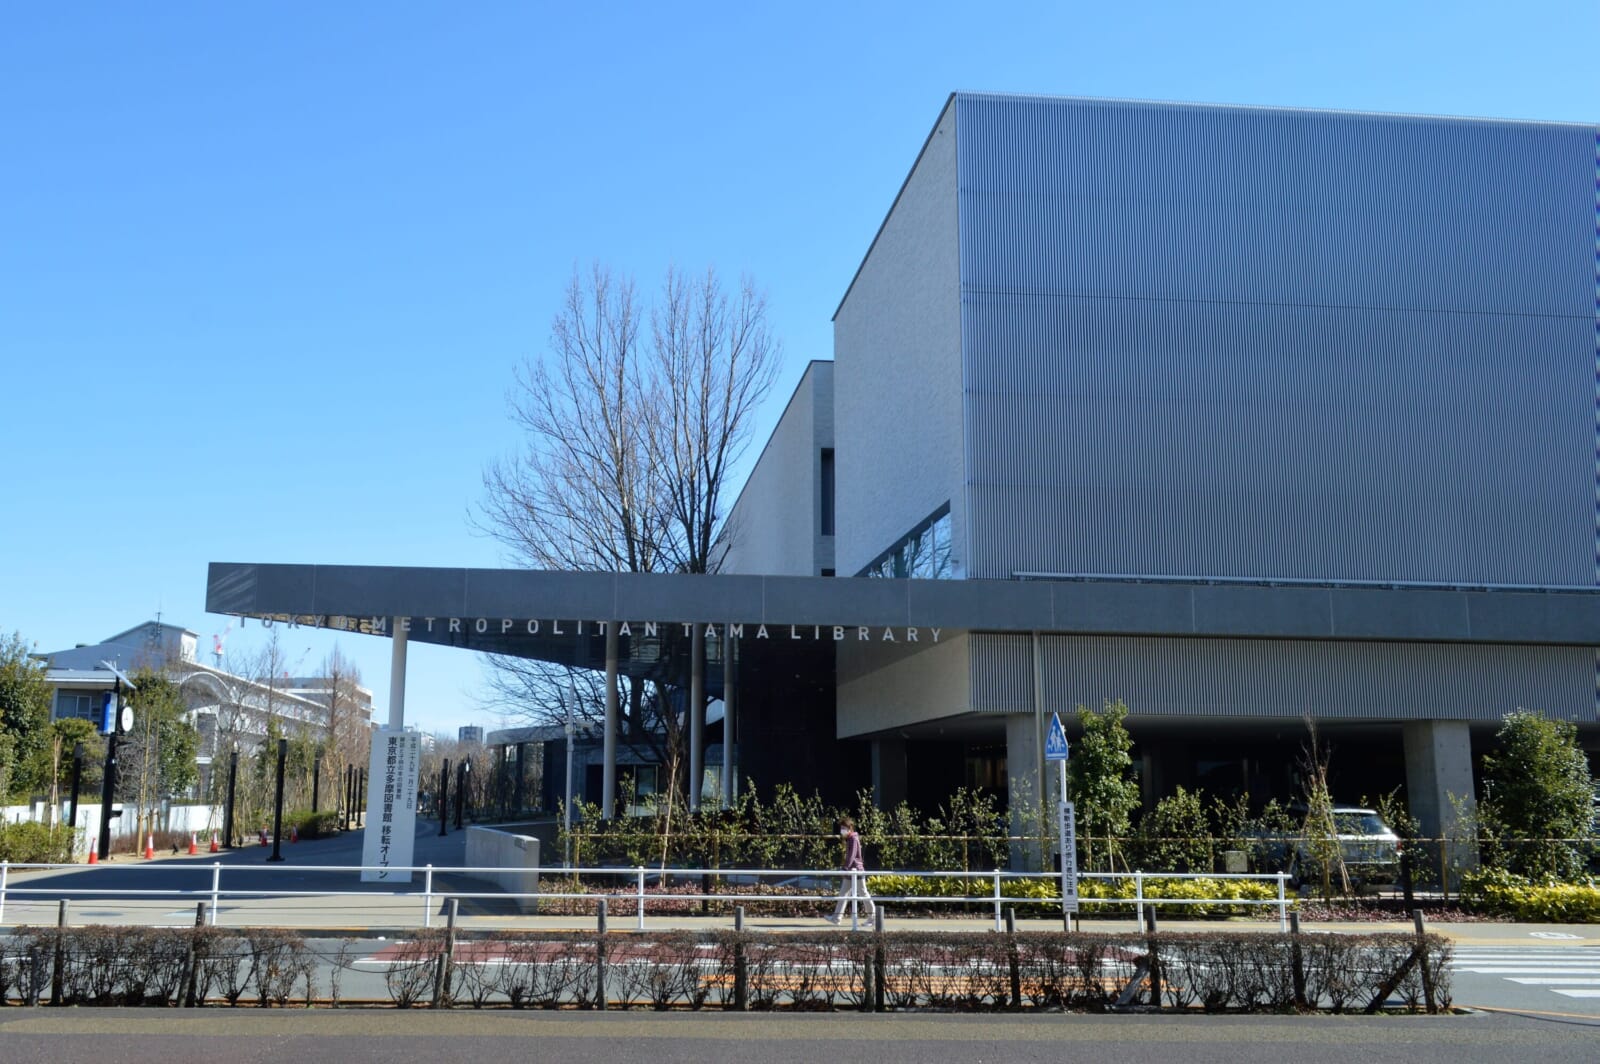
x,y
775,526
897,370
489,848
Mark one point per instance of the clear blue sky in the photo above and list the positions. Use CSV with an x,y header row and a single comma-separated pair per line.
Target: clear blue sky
x,y
265,268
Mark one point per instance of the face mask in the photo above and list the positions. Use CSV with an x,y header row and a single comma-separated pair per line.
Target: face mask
x,y
844,831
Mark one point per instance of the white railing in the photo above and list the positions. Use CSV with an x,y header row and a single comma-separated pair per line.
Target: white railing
x,y
633,884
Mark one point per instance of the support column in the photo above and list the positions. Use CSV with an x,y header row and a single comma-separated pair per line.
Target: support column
x,y
518,795
1023,751
888,772
608,801
697,715
730,718
397,672
1439,769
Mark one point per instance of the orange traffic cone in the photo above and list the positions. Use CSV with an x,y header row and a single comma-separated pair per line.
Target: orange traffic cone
x,y
294,833
94,855
150,847
214,847
194,846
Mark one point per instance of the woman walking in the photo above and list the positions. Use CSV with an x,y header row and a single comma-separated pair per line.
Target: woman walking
x,y
855,884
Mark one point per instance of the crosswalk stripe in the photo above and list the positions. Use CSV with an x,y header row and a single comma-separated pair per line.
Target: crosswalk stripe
x,y
1556,981
1529,971
1578,993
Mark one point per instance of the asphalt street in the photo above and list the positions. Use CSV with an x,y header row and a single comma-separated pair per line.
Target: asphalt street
x,y
359,1036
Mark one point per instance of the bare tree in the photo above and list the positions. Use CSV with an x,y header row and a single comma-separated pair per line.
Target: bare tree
x,y
349,734
630,440
714,360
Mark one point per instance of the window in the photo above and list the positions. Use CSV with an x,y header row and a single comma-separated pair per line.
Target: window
x,y
922,554
83,704
826,502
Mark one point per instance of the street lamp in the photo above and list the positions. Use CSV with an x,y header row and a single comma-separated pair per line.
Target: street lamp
x,y
117,721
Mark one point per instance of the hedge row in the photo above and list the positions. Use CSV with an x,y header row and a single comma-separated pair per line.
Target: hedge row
x,y
28,842
1494,890
898,970
1047,890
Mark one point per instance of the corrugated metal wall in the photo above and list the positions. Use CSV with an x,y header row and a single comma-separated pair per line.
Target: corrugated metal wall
x,y
1255,342
1284,679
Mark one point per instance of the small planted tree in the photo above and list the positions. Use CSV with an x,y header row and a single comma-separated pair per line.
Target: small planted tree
x,y
1101,782
1536,811
1320,848
1175,837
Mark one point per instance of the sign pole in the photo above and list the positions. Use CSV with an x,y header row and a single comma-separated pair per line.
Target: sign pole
x,y
1056,749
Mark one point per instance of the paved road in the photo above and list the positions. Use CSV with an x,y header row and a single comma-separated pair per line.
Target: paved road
x,y
1532,977
1558,966
356,1036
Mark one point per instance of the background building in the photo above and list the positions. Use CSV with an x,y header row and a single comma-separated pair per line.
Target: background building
x,y
1274,349
1243,416
224,707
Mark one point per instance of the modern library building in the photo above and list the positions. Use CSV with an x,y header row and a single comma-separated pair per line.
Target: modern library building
x,y
1241,416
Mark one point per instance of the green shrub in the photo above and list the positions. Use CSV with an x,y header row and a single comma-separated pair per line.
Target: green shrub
x,y
33,843
1048,889
1494,890
313,825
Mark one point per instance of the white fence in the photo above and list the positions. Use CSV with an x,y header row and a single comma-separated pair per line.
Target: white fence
x,y
199,819
20,883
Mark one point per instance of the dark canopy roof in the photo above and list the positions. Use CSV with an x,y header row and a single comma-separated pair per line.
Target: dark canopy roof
x,y
545,609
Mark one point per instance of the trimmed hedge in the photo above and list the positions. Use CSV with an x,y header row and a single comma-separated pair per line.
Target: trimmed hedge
x,y
314,825
1048,890
1220,971
1494,890
29,842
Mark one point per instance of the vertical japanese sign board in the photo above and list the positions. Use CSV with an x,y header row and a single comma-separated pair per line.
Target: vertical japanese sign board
x,y
1056,749
391,833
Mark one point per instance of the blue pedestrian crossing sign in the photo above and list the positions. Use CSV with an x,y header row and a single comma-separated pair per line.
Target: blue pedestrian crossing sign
x,y
1055,743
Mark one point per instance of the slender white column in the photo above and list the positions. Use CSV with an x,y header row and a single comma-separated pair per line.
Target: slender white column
x,y
697,714
397,672
609,747
730,721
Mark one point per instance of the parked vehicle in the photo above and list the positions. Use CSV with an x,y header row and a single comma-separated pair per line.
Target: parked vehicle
x,y
1369,847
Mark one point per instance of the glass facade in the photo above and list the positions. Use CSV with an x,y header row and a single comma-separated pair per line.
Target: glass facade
x,y
922,554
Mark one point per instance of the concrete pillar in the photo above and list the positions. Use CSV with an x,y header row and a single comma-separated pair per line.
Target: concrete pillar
x,y
608,773
888,772
518,795
697,715
730,722
1024,748
397,672
1438,778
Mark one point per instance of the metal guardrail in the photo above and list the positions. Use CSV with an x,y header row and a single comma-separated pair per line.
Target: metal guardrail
x,y
638,879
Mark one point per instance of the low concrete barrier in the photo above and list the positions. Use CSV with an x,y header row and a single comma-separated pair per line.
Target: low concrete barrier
x,y
489,848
